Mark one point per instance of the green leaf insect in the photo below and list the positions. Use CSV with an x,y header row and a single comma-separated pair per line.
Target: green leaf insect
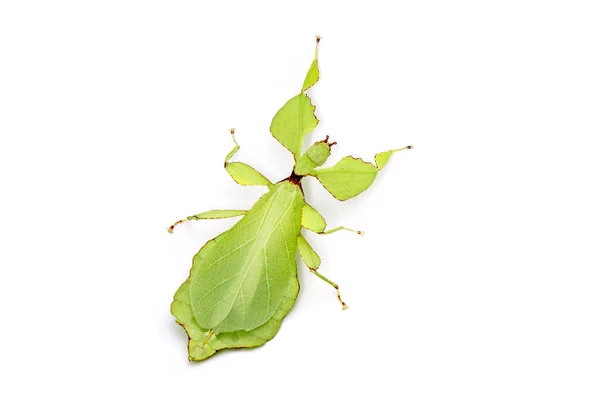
x,y
244,281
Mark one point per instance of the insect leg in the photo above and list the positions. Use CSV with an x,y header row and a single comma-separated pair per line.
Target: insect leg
x,y
312,261
243,173
235,149
312,220
381,159
335,285
341,228
213,214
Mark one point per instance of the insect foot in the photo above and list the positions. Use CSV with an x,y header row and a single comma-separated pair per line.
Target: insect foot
x,y
244,282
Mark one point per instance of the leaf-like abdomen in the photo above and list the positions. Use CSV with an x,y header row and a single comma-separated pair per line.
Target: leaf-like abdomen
x,y
240,281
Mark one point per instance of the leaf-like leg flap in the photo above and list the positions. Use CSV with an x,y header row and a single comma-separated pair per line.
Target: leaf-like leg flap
x,y
243,173
293,122
308,254
381,159
297,117
212,214
312,76
246,175
312,220
352,176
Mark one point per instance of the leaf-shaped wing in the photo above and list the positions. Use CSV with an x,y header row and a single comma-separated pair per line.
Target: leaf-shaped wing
x,y
308,254
203,343
293,122
239,282
348,178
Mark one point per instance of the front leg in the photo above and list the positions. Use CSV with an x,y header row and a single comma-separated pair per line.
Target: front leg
x,y
212,214
243,173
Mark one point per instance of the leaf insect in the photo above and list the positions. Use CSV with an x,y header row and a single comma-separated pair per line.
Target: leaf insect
x,y
244,281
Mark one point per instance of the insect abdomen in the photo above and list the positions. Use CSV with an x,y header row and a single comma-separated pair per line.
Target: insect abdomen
x,y
239,282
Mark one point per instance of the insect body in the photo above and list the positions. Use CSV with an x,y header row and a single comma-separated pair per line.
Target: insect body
x,y
244,281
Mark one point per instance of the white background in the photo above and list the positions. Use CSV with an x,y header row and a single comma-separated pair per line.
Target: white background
x,y
478,276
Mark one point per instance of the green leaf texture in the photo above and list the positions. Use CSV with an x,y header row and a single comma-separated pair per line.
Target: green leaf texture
x,y
297,117
203,343
311,219
312,76
238,283
348,178
308,254
246,175
293,122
